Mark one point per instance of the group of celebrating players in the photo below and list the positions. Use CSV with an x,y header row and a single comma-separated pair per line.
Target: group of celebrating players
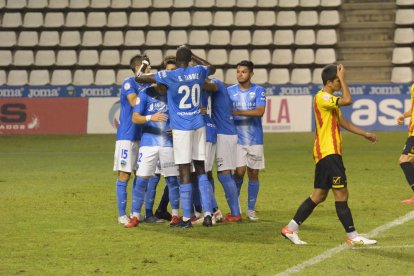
x,y
181,121
184,120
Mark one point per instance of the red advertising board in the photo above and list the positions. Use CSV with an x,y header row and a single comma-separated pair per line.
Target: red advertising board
x,y
43,116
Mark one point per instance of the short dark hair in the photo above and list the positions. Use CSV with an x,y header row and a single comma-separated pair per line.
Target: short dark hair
x,y
246,63
183,54
137,61
329,73
168,60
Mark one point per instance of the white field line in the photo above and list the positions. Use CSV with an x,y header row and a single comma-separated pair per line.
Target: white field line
x,y
330,252
383,247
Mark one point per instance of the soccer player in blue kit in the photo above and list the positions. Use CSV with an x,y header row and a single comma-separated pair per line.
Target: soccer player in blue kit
x,y
211,143
221,110
128,134
151,111
184,87
249,103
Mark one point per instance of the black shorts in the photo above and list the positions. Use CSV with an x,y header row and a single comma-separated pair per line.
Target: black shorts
x,y
409,146
330,173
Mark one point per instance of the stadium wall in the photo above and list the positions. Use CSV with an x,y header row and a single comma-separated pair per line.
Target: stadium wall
x,y
95,109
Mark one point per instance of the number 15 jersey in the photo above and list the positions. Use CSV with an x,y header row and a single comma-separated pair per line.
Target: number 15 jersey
x,y
184,87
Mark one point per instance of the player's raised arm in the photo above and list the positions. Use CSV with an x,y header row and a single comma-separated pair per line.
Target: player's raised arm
x,y
346,98
145,78
356,130
200,61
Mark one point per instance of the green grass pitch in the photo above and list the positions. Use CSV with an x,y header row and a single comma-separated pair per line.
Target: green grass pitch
x,y
58,214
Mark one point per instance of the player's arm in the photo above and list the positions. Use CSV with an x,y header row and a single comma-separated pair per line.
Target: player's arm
x,y
348,125
257,112
346,98
210,86
139,119
200,61
145,78
132,99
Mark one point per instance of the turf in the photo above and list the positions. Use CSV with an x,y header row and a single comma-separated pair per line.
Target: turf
x,y
58,214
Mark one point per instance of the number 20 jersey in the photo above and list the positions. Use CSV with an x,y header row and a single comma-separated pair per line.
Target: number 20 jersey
x,y
184,87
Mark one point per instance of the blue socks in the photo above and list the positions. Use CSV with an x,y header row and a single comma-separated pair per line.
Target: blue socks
x,y
173,191
150,195
230,190
214,204
196,197
186,199
138,194
121,196
239,183
252,191
204,186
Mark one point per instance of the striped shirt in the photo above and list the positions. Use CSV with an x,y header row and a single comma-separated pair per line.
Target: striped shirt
x,y
411,126
328,139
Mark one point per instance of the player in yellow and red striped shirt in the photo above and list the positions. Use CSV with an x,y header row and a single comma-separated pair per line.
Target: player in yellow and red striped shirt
x,y
327,153
407,156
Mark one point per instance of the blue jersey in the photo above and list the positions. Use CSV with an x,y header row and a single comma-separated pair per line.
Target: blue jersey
x,y
184,87
249,129
211,129
222,108
153,133
126,129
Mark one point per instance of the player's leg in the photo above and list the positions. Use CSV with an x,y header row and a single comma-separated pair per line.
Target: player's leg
x,y
182,145
170,172
217,215
147,162
407,164
199,156
204,187
150,198
124,163
322,183
241,163
340,192
162,212
345,216
252,193
255,162
226,163
121,196
196,217
211,149
150,194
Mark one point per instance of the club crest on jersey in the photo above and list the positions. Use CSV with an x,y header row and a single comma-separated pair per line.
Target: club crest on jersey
x,y
123,162
326,97
127,86
252,95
